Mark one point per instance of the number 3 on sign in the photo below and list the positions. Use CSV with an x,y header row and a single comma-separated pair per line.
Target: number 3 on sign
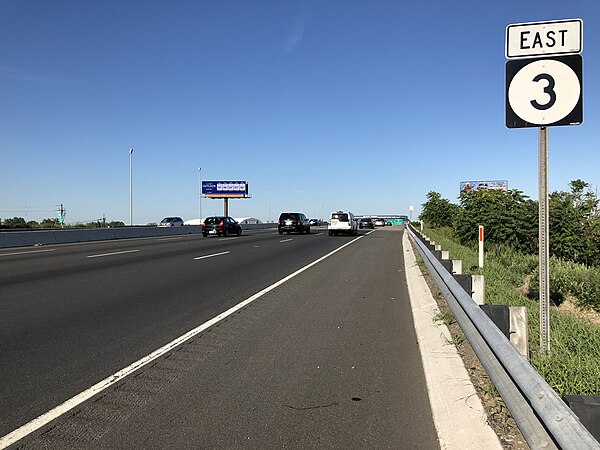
x,y
547,90
544,92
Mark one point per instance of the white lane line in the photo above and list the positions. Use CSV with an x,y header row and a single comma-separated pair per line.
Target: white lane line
x,y
170,238
113,253
319,234
61,409
31,251
210,256
286,240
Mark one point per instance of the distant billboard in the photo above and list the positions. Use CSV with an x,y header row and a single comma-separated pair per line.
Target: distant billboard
x,y
475,185
222,189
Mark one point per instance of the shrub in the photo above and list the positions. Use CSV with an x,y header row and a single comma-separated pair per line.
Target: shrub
x,y
571,279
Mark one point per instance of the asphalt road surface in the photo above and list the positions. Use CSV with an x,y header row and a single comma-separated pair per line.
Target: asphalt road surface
x,y
326,359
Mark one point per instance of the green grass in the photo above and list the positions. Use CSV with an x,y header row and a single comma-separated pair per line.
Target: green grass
x,y
573,364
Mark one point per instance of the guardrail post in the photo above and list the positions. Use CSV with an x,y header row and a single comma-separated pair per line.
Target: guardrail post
x,y
447,264
457,266
500,316
465,282
587,409
478,289
519,330
473,285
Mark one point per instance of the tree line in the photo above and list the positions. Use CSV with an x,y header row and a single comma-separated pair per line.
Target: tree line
x,y
21,223
511,218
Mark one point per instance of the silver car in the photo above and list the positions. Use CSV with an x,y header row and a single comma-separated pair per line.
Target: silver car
x,y
171,222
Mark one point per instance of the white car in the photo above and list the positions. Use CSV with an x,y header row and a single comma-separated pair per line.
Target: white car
x,y
171,222
342,222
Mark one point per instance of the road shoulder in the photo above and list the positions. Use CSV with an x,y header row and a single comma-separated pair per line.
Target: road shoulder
x,y
459,416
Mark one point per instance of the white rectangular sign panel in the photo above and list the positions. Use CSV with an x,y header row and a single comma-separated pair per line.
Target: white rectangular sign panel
x,y
559,37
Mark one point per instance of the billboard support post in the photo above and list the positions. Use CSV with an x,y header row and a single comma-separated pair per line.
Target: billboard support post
x,y
200,195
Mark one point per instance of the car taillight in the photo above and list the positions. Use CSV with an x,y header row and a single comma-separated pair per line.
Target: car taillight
x,y
299,223
221,224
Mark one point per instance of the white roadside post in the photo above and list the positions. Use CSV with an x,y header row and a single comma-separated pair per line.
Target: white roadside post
x,y
544,87
480,245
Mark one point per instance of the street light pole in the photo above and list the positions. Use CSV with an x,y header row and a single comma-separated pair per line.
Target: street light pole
x,y
130,186
200,194
269,204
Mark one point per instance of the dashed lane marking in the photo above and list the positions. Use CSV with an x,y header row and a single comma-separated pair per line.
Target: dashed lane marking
x,y
30,251
210,256
112,254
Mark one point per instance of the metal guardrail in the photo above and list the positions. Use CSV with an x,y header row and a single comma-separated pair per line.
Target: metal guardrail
x,y
544,419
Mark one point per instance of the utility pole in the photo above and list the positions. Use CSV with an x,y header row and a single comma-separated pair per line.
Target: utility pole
x,y
130,187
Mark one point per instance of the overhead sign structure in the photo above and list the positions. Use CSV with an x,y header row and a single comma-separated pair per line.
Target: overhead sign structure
x,y
225,189
544,92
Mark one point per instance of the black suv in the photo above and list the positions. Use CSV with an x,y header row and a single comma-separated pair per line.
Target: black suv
x,y
293,221
221,226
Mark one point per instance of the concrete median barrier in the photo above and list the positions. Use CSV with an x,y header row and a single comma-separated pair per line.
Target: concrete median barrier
x,y
28,238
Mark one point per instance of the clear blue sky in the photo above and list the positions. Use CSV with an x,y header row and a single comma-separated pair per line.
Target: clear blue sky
x,y
356,105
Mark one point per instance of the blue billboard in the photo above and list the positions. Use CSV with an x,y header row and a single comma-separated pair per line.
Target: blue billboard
x,y
225,188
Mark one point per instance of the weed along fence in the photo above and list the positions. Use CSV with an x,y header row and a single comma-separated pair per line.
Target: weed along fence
x,y
545,420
